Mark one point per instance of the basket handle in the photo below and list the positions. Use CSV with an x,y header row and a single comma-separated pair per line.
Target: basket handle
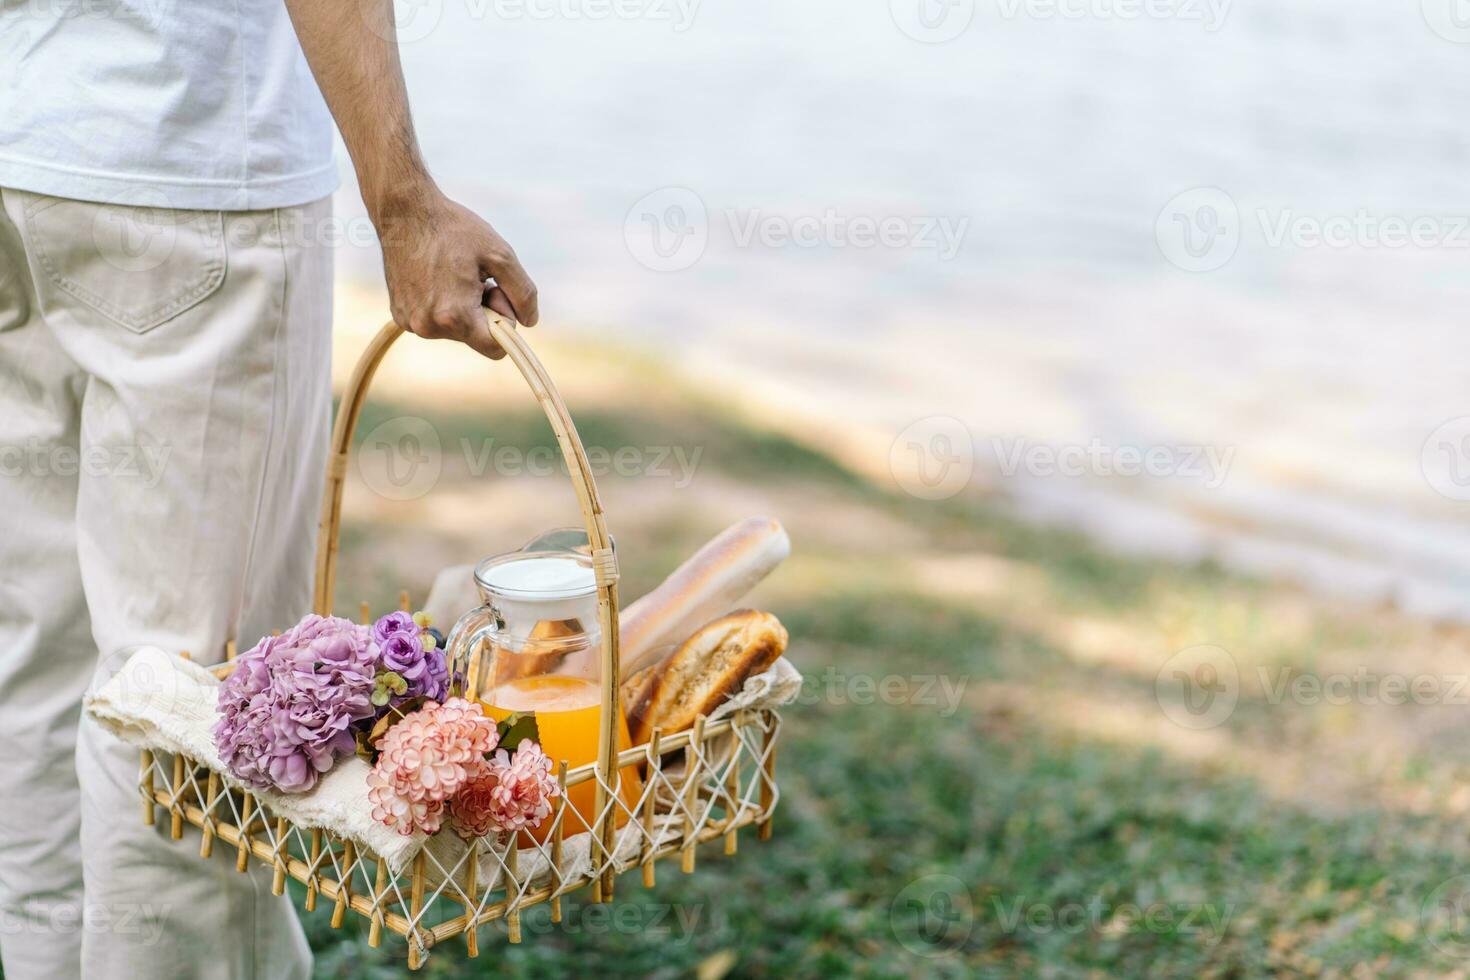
x,y
604,563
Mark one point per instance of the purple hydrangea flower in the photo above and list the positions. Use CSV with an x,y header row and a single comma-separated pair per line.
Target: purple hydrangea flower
x,y
403,652
288,710
394,622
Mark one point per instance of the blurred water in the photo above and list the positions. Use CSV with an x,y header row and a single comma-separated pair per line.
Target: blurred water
x,y
1058,140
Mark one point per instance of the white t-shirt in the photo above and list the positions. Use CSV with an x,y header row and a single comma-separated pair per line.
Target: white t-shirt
x,y
200,104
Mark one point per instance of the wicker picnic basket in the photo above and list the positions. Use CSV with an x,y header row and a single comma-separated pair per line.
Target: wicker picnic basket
x,y
697,785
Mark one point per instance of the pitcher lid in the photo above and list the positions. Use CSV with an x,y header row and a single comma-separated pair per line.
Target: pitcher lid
x,y
532,576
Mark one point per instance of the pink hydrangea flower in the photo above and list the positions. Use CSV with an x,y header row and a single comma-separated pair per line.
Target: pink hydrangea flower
x,y
512,793
425,759
288,709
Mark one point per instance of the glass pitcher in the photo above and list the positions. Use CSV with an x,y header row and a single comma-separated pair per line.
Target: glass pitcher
x,y
535,647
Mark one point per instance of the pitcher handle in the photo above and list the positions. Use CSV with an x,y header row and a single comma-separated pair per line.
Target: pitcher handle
x,y
464,650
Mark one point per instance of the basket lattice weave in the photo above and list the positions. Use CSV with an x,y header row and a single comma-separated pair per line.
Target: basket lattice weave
x,y
698,785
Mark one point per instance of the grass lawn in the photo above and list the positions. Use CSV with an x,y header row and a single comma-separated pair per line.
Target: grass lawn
x,y
980,779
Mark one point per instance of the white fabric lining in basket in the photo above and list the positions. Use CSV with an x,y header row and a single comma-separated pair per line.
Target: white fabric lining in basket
x,y
163,702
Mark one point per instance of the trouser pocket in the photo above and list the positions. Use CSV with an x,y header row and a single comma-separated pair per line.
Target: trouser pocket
x,y
139,266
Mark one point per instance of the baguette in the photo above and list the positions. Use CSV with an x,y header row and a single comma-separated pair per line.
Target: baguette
x,y
706,670
708,585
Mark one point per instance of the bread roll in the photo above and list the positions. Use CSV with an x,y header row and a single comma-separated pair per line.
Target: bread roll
x,y
706,670
709,584
634,690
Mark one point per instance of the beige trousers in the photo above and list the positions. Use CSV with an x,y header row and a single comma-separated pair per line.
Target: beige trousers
x,y
164,409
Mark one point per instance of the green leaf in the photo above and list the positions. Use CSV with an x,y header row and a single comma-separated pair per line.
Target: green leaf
x,y
517,728
386,684
367,743
365,750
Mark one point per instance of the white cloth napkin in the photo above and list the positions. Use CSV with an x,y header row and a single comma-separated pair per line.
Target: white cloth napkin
x,y
166,703
163,702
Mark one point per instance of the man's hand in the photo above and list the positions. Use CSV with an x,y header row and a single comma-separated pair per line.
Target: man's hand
x,y
437,256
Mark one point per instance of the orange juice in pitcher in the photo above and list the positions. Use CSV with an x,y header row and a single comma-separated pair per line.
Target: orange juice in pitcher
x,y
535,647
568,715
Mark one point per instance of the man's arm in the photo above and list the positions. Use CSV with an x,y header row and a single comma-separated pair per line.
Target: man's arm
x,y
436,254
